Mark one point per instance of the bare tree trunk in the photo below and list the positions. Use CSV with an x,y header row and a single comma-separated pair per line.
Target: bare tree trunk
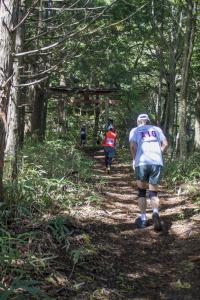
x,y
39,113
11,136
106,110
8,18
169,108
38,117
175,38
96,120
172,99
159,53
176,133
61,110
191,9
197,119
21,122
12,116
27,107
159,99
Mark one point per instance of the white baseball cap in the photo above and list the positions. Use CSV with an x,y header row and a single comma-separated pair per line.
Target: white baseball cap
x,y
143,117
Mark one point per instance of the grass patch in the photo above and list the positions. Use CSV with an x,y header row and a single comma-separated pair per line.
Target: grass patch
x,y
37,232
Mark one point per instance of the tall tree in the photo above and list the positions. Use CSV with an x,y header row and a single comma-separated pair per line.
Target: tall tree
x,y
14,103
191,14
8,19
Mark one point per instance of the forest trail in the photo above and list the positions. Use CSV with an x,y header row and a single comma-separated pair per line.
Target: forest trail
x,y
124,262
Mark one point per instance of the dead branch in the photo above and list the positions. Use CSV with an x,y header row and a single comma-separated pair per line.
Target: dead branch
x,y
32,83
67,36
25,17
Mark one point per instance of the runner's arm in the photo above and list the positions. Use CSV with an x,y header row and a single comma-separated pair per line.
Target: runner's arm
x,y
164,145
133,149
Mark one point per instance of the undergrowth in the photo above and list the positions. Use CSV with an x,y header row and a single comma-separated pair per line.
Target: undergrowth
x,y
177,171
184,176
51,173
36,228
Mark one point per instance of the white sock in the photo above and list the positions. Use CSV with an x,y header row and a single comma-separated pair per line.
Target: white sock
x,y
155,210
143,217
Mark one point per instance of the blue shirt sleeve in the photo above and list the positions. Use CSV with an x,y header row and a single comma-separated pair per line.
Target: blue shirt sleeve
x,y
132,135
161,134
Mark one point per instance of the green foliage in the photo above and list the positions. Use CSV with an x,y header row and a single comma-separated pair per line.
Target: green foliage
x,y
7,248
76,255
59,230
28,287
184,176
16,260
177,171
53,173
53,177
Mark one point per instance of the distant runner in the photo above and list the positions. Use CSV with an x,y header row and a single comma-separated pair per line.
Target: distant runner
x,y
83,135
109,144
147,143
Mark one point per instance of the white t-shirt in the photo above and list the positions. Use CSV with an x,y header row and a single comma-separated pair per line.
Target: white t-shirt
x,y
148,139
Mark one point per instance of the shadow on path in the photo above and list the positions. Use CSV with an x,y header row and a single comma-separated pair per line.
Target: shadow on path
x,y
123,262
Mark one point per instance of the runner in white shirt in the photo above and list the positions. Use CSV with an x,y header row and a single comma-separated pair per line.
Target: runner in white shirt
x,y
147,143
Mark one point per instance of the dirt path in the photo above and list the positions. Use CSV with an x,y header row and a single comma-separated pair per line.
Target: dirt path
x,y
123,262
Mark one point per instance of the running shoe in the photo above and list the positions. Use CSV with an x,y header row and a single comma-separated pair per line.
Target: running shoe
x,y
156,222
141,223
108,169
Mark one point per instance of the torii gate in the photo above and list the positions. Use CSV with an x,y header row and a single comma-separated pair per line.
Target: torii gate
x,y
86,92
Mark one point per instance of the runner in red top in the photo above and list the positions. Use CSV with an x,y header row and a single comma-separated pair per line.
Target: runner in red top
x,y
109,144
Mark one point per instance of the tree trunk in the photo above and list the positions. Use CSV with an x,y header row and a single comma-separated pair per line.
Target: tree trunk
x,y
12,116
96,120
61,110
11,136
170,109
191,7
21,122
39,113
8,18
38,117
197,119
174,55
159,99
107,108
27,108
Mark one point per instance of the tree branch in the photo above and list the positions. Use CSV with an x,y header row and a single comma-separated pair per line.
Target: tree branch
x,y
64,37
25,17
32,83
